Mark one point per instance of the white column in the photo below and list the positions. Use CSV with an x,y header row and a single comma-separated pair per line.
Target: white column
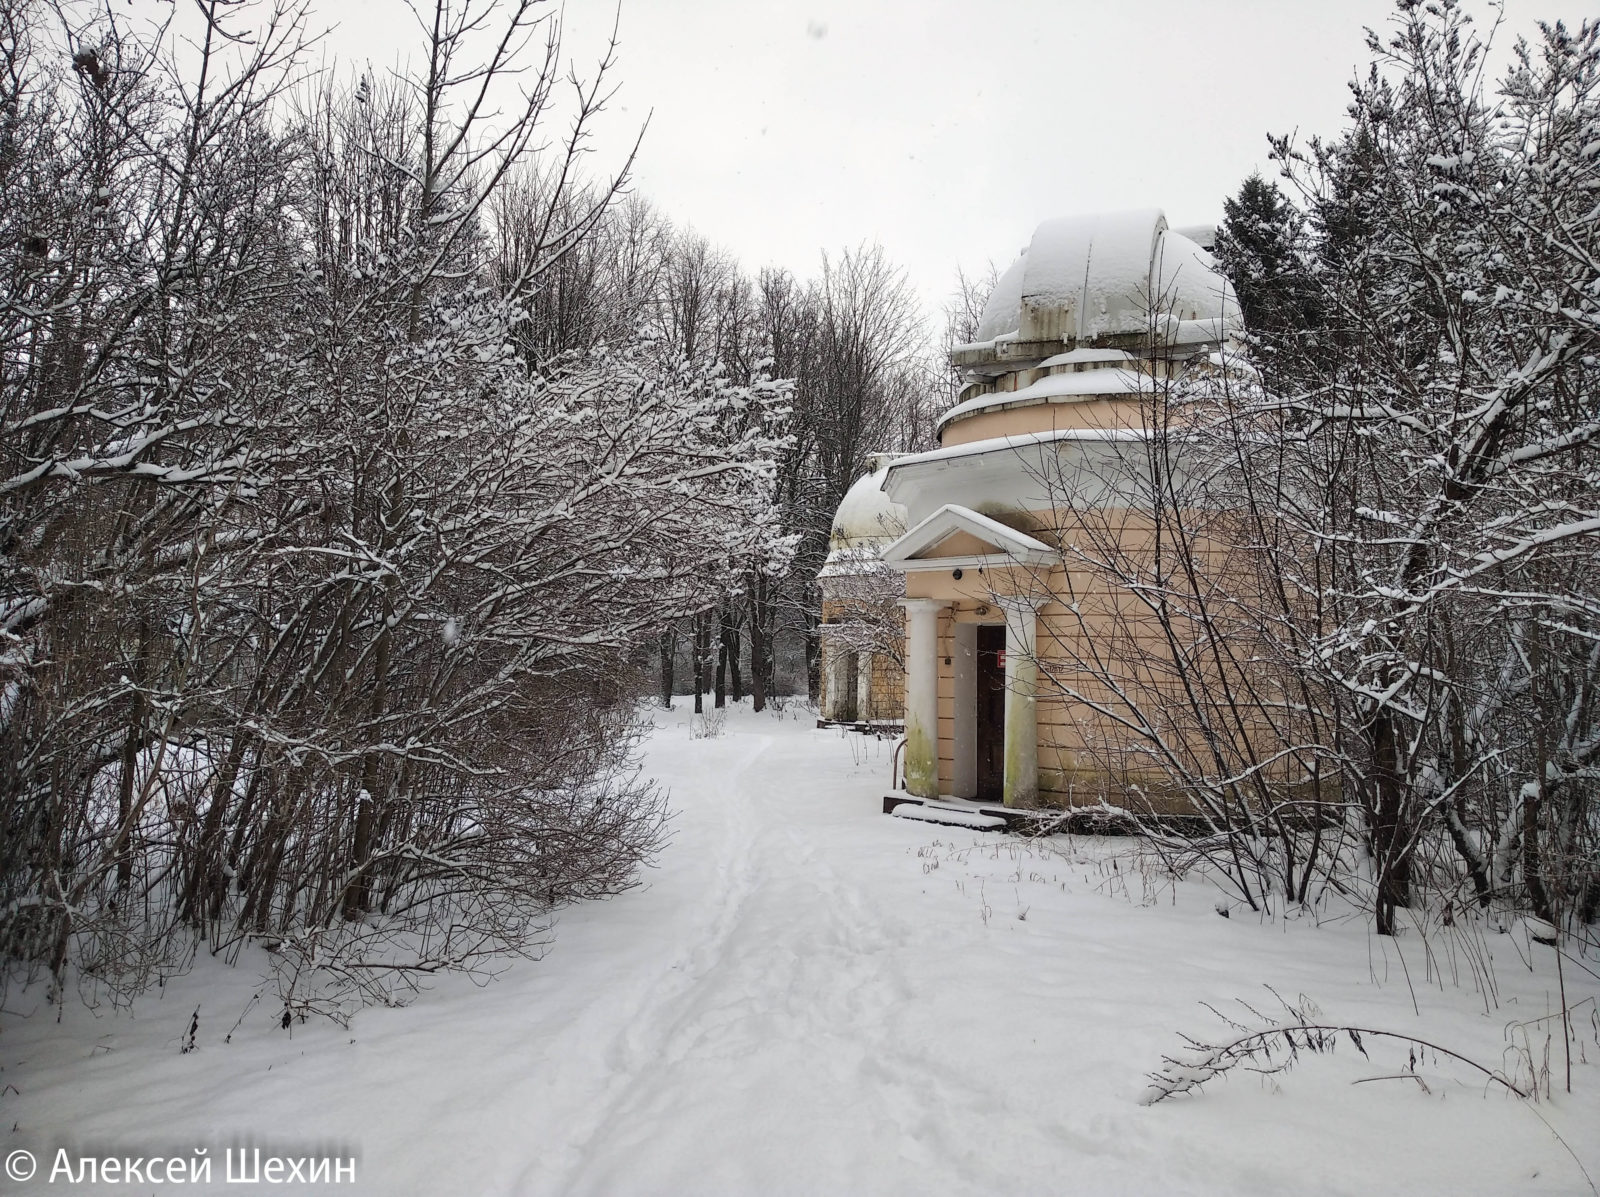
x,y
838,675
922,696
1021,785
864,687
964,782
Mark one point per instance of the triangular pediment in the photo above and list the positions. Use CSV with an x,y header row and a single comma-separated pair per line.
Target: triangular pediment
x,y
958,536
960,543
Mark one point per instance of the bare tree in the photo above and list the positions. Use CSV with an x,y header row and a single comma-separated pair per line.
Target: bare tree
x,y
1356,635
346,568
1451,439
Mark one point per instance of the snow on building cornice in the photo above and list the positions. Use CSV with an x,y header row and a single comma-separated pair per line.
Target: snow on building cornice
x,y
1090,384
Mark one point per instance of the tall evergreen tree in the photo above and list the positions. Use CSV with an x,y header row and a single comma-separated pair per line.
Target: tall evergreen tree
x,y
1259,247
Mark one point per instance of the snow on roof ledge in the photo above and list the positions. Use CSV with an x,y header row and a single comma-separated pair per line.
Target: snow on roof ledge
x,y
1078,357
1013,443
974,347
1197,332
1080,387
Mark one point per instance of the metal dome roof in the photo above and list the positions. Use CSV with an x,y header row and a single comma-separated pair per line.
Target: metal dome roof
x,y
1083,277
866,520
866,514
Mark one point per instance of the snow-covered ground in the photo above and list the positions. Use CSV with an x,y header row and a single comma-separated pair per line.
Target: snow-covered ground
x,y
809,997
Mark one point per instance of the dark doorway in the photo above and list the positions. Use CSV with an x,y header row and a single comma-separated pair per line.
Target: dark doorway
x,y
852,684
991,713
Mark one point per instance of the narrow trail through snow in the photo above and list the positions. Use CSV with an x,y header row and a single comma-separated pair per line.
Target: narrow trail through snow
x,y
786,1000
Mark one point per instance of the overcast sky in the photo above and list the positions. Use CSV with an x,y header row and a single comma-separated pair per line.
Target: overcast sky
x,y
947,130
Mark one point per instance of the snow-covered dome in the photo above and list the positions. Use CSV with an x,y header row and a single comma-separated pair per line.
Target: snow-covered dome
x,y
866,521
1084,277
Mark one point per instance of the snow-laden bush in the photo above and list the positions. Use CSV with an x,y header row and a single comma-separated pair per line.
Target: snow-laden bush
x,y
319,590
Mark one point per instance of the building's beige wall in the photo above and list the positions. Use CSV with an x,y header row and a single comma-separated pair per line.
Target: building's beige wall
x,y
886,695
1067,412
976,587
959,544
1084,755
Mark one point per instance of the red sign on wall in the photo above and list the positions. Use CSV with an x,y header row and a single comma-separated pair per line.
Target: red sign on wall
x,y
1000,658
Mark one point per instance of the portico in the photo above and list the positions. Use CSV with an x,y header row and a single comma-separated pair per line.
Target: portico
x,y
970,662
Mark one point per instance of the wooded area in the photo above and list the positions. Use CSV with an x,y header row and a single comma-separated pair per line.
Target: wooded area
x,y
357,443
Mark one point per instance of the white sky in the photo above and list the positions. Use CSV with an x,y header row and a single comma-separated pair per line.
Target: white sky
x,y
947,129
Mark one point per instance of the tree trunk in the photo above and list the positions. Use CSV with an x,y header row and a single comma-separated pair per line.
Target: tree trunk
x,y
358,894
129,762
702,659
131,745
813,656
1532,857
667,645
758,645
208,881
722,660
1391,848
730,649
1534,798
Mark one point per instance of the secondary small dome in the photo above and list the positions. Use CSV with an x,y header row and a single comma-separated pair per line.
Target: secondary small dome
x,y
867,519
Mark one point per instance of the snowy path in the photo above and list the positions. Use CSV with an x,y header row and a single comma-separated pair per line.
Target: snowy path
x,y
808,997
779,1017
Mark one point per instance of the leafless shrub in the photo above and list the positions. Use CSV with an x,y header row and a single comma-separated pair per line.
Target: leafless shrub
x,y
320,574
1276,1044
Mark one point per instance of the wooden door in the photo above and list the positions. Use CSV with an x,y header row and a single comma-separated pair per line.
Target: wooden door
x,y
991,713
